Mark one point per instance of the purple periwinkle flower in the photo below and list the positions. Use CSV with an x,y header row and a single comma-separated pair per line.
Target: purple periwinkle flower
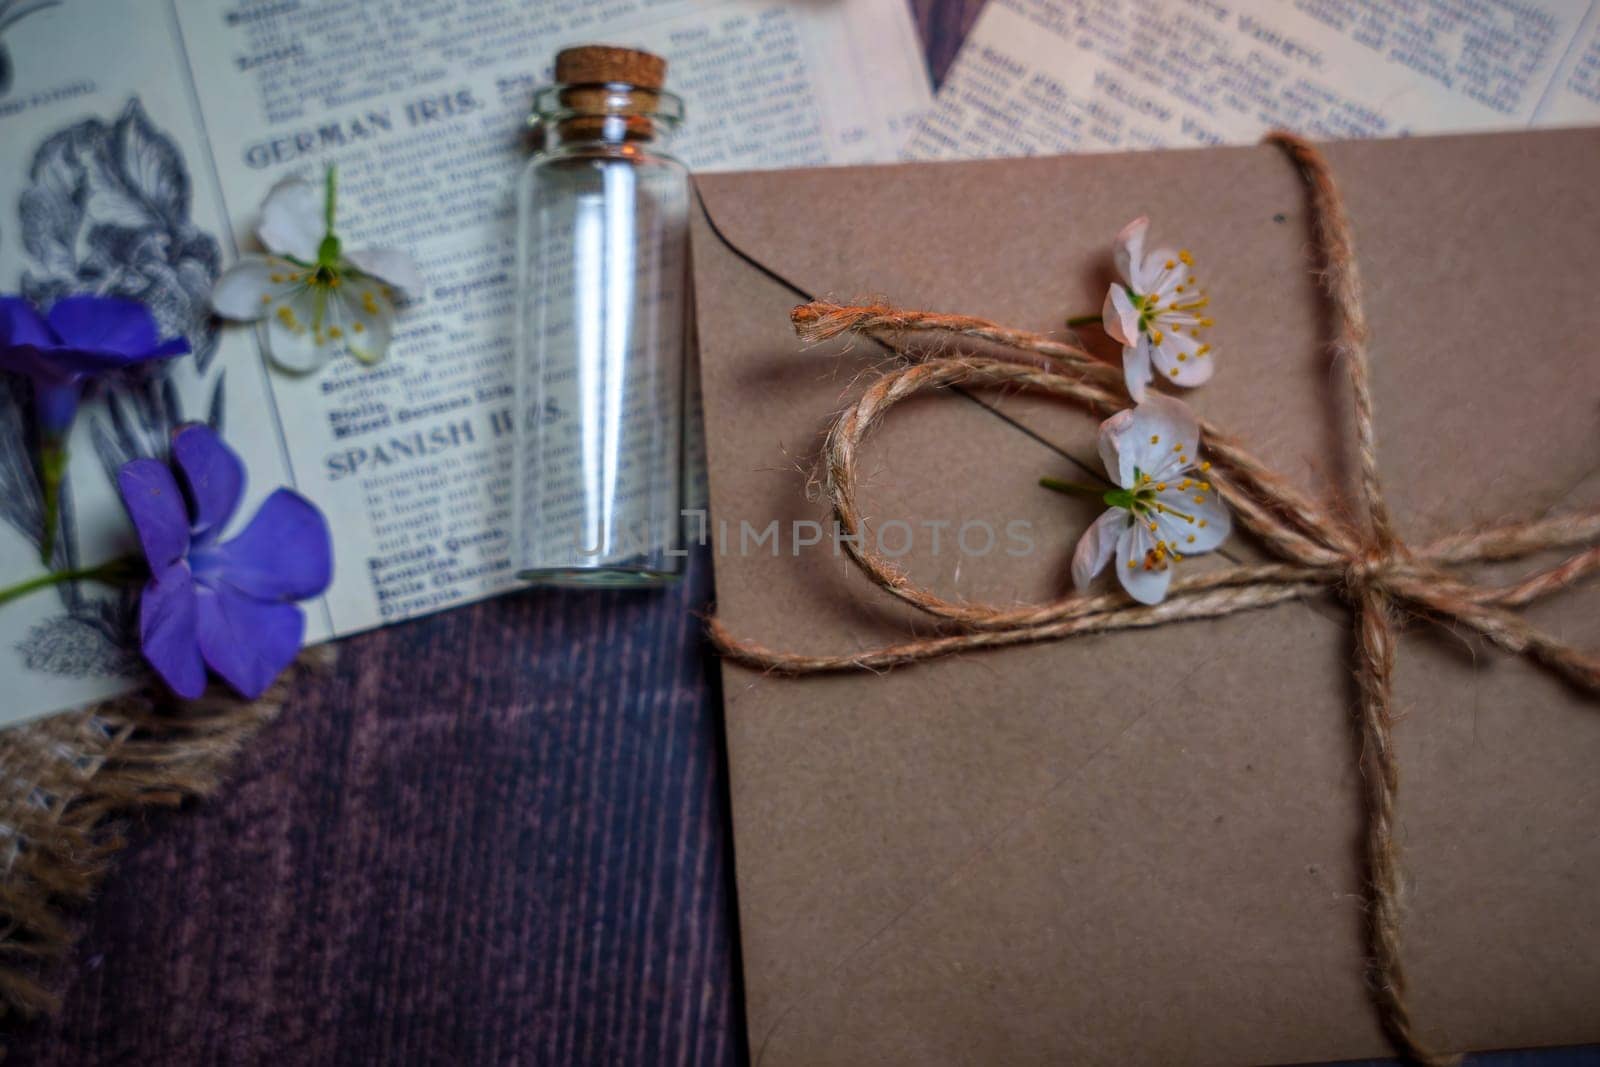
x,y
80,338
227,605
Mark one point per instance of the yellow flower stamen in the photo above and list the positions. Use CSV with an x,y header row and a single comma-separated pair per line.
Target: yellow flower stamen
x,y
1168,510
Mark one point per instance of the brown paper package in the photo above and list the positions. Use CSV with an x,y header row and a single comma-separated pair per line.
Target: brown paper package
x,y
1144,847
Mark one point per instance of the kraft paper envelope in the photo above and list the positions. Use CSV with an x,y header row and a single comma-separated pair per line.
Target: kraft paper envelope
x,y
1144,847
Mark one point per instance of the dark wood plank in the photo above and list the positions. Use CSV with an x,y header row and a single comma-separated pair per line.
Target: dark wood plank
x,y
493,835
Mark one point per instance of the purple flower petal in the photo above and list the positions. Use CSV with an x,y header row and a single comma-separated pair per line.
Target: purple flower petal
x,y
26,343
285,553
33,363
156,506
105,324
81,335
22,326
248,642
213,476
64,362
57,406
168,631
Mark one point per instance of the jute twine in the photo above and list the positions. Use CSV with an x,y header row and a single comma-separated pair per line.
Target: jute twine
x,y
68,784
1362,558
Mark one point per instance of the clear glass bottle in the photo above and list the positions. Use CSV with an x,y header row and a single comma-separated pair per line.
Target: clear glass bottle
x,y
602,290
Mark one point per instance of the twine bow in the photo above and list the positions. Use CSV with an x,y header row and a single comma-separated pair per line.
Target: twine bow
x,y
1364,559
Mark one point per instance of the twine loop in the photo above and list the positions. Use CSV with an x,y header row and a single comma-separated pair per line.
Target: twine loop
x,y
1363,558
1365,571
1377,568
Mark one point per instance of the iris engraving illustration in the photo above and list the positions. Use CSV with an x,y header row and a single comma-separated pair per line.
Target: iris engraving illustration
x,y
106,211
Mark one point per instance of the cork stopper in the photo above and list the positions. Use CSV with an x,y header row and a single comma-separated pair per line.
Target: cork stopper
x,y
596,64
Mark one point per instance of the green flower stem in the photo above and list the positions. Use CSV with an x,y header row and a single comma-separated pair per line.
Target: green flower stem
x,y
331,183
52,469
1082,320
1071,488
328,251
113,572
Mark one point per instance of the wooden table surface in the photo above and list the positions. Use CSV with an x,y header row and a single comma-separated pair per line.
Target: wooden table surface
x,y
495,836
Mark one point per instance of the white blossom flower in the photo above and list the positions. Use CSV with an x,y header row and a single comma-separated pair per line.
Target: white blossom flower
x,y
1165,508
1156,312
313,299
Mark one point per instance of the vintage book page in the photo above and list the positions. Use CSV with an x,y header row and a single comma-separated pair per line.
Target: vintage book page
x,y
1043,76
140,139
